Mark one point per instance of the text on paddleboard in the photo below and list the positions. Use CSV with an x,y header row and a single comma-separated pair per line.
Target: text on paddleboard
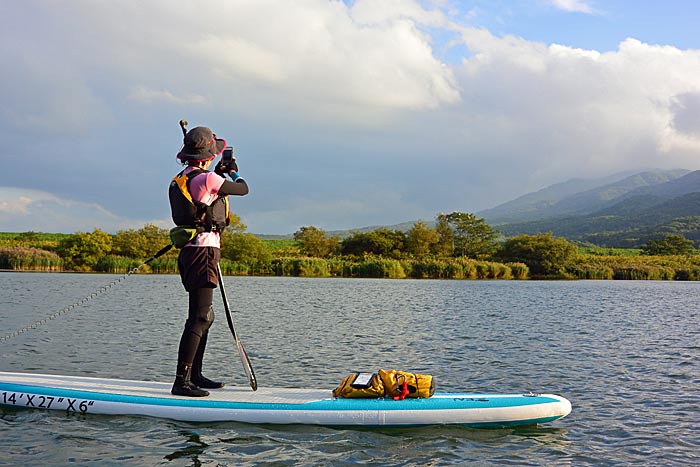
x,y
45,402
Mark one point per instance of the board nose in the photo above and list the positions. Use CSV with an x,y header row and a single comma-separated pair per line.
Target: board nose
x,y
564,404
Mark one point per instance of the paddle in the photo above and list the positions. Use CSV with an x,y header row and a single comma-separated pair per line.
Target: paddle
x,y
241,351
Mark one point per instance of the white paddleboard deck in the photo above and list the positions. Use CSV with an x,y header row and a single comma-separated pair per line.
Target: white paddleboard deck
x,y
274,405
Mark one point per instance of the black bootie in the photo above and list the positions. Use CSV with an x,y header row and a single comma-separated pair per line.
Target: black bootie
x,y
197,377
204,382
183,386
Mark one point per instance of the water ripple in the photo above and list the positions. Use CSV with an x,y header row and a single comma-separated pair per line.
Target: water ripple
x,y
625,353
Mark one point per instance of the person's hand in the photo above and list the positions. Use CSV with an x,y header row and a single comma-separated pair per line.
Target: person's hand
x,y
219,169
223,169
232,167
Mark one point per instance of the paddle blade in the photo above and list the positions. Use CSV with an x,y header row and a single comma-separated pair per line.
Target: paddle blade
x,y
247,366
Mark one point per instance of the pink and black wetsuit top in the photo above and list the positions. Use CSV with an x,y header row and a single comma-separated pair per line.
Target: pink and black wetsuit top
x,y
206,188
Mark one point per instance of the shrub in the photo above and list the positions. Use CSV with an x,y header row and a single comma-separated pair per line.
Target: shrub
x,y
519,271
544,254
692,274
234,268
313,267
643,272
428,269
669,245
20,258
81,251
165,265
141,243
246,249
591,271
380,268
116,264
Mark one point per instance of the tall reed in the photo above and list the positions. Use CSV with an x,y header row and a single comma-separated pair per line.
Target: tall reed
x,y
29,259
116,264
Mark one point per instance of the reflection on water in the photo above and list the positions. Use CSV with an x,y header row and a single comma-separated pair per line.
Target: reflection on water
x,y
624,353
193,448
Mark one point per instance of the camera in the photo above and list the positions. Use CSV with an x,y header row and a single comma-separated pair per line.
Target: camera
x,y
228,160
227,157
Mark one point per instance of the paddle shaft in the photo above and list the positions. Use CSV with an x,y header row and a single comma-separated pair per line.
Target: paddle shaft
x,y
229,318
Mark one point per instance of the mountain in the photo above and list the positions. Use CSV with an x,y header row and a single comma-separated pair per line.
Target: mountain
x,y
622,210
631,219
528,207
575,197
688,183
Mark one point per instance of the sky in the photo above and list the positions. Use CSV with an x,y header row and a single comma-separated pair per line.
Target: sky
x,y
342,114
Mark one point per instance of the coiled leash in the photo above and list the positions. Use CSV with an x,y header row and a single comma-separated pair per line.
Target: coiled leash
x,y
82,301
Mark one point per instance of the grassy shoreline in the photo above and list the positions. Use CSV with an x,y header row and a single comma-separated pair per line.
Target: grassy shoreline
x,y
585,267
31,251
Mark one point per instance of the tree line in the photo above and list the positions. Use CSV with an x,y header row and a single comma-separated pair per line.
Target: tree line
x,y
458,246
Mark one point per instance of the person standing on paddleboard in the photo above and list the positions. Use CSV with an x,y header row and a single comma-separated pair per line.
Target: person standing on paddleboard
x,y
200,209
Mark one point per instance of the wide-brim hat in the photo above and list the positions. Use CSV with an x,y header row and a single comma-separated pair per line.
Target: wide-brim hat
x,y
201,144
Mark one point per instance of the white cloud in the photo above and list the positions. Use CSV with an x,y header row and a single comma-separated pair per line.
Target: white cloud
x,y
564,110
322,55
240,57
318,57
143,93
314,90
574,6
15,206
23,210
685,108
384,12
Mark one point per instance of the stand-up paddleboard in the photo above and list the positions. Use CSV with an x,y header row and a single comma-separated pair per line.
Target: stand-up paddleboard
x,y
274,405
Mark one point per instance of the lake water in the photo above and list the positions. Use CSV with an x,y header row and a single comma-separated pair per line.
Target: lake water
x,y
626,354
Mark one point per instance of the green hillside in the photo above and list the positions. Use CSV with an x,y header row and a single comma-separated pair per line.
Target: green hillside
x,y
577,197
627,224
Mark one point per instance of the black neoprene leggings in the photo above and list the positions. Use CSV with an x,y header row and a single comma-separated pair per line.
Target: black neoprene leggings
x,y
199,320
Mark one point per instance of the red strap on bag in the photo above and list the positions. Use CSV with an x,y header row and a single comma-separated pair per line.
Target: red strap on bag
x,y
404,392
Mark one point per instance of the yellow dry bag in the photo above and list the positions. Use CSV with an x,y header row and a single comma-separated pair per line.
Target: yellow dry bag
x,y
396,383
386,383
360,385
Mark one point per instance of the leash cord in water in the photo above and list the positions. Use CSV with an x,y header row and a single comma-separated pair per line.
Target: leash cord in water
x,y
82,301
